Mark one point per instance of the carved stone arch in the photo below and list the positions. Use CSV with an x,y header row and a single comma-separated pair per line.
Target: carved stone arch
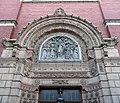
x,y
34,32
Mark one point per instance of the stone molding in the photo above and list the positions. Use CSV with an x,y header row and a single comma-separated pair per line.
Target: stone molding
x,y
60,82
112,62
61,66
110,42
112,22
8,23
28,87
61,75
93,87
8,42
33,83
8,62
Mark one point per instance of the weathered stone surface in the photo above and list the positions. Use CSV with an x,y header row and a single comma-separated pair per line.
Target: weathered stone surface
x,y
116,99
113,76
4,91
7,76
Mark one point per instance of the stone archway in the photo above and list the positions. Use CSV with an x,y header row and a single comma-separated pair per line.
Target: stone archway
x,y
57,22
60,73
56,73
32,36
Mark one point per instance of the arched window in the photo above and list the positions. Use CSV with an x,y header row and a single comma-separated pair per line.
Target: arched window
x,y
59,48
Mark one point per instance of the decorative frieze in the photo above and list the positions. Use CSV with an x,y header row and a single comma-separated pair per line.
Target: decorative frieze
x,y
112,62
60,66
29,93
7,62
60,74
52,82
93,87
28,87
60,82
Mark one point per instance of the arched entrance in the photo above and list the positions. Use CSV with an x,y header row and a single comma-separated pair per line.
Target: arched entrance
x,y
57,53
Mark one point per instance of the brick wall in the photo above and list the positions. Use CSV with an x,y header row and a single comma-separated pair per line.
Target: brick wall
x,y
94,12
9,9
86,10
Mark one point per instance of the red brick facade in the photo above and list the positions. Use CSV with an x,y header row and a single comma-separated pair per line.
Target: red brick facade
x,y
94,12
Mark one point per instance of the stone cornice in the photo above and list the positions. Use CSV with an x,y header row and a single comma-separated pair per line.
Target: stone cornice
x,y
8,42
110,42
8,23
111,22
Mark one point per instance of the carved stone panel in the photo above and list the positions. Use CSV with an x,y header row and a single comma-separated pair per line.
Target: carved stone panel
x,y
60,82
59,48
60,75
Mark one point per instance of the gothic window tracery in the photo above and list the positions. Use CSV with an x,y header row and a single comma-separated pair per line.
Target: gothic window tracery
x,y
59,48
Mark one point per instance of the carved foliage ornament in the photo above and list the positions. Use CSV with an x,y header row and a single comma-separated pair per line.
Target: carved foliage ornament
x,y
60,81
60,75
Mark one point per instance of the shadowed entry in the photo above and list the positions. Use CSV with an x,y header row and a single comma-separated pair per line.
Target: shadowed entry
x,y
60,95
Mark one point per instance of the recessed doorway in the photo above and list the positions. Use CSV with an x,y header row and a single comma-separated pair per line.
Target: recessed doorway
x,y
61,94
